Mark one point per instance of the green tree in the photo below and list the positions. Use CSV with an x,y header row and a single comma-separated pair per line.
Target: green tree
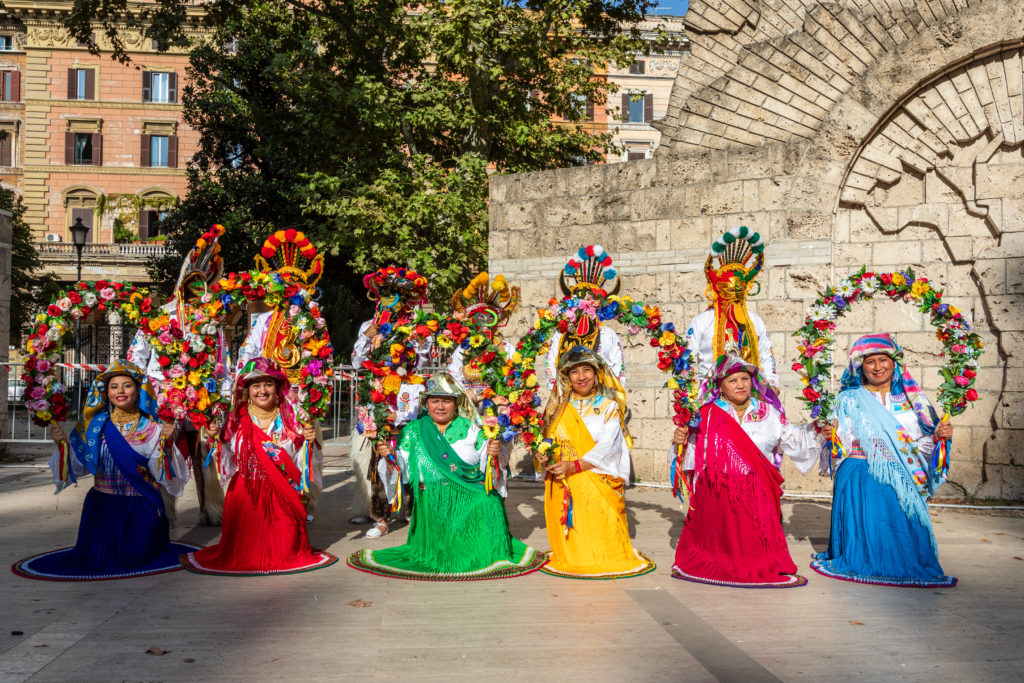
x,y
31,291
374,128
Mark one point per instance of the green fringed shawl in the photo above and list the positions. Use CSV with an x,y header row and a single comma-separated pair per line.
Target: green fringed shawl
x,y
458,529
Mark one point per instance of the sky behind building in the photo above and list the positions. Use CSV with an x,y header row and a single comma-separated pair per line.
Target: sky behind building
x,y
675,8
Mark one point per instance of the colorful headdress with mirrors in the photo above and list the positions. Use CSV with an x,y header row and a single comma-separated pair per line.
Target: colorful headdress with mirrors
x,y
293,257
202,266
395,291
739,254
589,270
488,303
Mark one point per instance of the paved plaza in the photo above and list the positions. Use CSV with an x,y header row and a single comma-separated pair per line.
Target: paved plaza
x,y
340,624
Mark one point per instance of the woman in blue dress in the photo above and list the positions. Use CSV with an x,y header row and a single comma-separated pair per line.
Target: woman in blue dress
x,y
881,532
123,529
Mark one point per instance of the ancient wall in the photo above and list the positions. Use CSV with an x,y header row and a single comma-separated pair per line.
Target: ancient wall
x,y
860,132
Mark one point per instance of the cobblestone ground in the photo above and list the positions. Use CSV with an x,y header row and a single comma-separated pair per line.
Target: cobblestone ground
x,y
340,624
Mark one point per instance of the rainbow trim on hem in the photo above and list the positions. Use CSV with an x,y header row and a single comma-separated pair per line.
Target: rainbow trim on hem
x,y
326,560
531,562
646,567
792,581
24,568
821,566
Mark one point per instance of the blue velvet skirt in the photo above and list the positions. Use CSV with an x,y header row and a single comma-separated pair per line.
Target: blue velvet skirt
x,y
872,539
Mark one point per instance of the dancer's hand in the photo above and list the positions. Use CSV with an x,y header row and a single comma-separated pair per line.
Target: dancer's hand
x,y
384,450
561,470
57,433
494,448
943,431
308,433
679,435
167,429
371,331
828,431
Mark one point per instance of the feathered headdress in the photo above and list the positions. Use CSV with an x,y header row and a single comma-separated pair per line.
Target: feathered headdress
x,y
588,270
490,305
293,256
740,255
202,263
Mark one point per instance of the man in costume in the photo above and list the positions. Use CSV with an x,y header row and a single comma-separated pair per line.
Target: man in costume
x,y
727,325
459,528
396,292
490,308
587,275
293,257
202,267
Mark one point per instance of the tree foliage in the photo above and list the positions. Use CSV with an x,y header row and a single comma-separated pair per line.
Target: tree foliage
x,y
373,127
31,290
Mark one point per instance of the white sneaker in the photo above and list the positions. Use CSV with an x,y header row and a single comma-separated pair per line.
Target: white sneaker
x,y
377,530
309,518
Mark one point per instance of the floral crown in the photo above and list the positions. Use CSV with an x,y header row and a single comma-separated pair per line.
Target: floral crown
x,y
482,297
293,256
405,282
203,260
740,255
589,269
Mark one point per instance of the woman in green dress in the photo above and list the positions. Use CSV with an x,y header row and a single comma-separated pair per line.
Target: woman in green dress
x,y
459,530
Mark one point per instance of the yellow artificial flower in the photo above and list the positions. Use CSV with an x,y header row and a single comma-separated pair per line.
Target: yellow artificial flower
x,y
953,310
898,280
403,329
414,379
477,340
513,397
531,381
314,345
432,325
203,400
445,342
516,358
672,383
179,382
392,383
193,378
667,339
919,289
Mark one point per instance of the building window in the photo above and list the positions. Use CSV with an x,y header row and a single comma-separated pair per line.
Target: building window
x,y
159,86
586,104
83,149
81,84
151,223
10,86
7,150
87,216
634,155
638,67
638,107
83,144
159,151
6,43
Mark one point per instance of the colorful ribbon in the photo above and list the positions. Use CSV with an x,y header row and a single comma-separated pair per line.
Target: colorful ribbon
x,y
64,464
679,482
940,457
567,522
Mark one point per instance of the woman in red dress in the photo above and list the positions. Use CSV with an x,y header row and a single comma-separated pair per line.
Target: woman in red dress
x,y
264,528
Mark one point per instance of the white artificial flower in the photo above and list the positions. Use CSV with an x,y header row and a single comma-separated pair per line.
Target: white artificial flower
x,y
845,288
64,304
89,299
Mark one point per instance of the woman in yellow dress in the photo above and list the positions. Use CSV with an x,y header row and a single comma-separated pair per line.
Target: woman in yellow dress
x,y
584,492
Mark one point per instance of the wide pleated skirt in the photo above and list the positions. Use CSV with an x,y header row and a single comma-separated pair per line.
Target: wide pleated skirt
x,y
872,539
457,533
118,536
598,544
731,538
262,533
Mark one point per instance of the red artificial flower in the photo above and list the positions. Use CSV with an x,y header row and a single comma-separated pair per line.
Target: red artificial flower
x,y
798,366
654,342
290,291
53,311
563,325
969,373
83,285
164,361
85,311
886,278
261,291
325,351
198,419
822,325
971,395
102,284
487,357
75,297
101,306
315,395
527,438
146,306
165,414
376,396
810,394
527,397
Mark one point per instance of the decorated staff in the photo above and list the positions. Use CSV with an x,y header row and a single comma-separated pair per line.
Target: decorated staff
x,y
397,292
285,334
189,370
123,530
727,323
587,279
459,528
890,450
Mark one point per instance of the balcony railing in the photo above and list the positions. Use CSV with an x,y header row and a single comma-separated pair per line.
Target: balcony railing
x,y
57,250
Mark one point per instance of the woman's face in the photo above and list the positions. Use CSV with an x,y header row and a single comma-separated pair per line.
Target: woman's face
x,y
583,379
441,409
263,393
736,387
877,369
123,393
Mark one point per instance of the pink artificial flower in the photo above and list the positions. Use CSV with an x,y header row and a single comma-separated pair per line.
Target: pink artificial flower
x,y
107,293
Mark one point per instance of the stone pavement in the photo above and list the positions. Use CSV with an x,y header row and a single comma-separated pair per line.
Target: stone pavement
x,y
340,624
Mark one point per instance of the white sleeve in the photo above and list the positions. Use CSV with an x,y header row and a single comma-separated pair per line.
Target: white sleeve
x,y
363,345
609,454
77,468
802,444
764,349
611,348
139,351
423,353
455,364
253,346
551,359
151,449
700,342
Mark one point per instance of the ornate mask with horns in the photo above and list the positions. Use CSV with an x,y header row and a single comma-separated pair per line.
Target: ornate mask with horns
x,y
490,306
587,274
740,256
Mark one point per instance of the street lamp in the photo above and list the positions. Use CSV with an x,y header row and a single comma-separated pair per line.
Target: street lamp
x,y
79,231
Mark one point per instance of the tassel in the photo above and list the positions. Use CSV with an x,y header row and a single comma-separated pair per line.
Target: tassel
x,y
64,472
397,504
832,451
679,483
940,457
566,509
166,469
488,477
306,460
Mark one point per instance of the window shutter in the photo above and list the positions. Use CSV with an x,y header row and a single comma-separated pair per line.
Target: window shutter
x,y
72,83
625,106
590,109
172,151
144,161
172,87
648,108
147,86
15,86
90,84
69,148
143,224
5,150
97,149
